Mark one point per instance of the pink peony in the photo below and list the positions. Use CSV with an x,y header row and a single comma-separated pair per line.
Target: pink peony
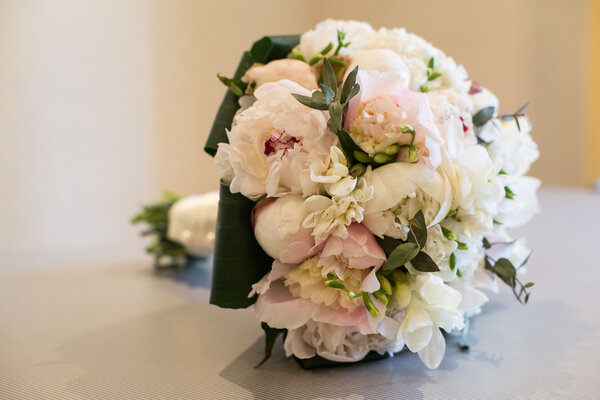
x,y
294,70
384,108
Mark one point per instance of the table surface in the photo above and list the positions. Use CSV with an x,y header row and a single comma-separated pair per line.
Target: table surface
x,y
124,331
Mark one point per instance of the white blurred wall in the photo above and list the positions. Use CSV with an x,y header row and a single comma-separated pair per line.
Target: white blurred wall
x,y
105,103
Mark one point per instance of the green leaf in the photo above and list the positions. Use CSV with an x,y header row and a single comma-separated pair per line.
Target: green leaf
x,y
402,254
328,93
388,244
506,271
316,101
315,59
335,284
431,63
335,117
357,170
239,261
327,49
156,217
369,305
348,85
461,245
297,55
483,116
348,144
448,234
271,335
236,85
486,243
382,158
329,78
265,50
522,108
452,261
434,76
509,194
362,157
422,262
418,230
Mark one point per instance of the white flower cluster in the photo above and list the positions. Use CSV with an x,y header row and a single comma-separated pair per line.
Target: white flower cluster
x,y
329,214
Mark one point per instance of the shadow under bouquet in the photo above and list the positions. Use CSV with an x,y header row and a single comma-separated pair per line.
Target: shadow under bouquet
x,y
366,190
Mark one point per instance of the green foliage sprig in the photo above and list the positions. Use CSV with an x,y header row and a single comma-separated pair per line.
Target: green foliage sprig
x,y
156,216
335,100
486,114
431,75
237,86
507,272
515,115
399,252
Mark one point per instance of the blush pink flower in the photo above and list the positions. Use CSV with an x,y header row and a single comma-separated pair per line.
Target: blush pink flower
x,y
276,70
384,111
359,250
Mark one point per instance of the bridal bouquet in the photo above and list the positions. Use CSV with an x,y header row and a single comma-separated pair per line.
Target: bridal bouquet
x,y
367,188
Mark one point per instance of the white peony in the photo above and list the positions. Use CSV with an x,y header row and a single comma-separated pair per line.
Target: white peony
x,y
514,150
336,343
273,144
193,222
524,205
400,191
416,53
477,189
278,229
381,60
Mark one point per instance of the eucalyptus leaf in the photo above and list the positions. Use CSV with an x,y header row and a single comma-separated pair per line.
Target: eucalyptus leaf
x,y
316,101
329,78
483,116
348,85
336,114
353,92
402,254
328,93
422,262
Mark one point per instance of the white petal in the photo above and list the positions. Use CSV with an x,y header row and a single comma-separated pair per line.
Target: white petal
x,y
418,339
295,345
389,328
280,310
342,187
433,353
